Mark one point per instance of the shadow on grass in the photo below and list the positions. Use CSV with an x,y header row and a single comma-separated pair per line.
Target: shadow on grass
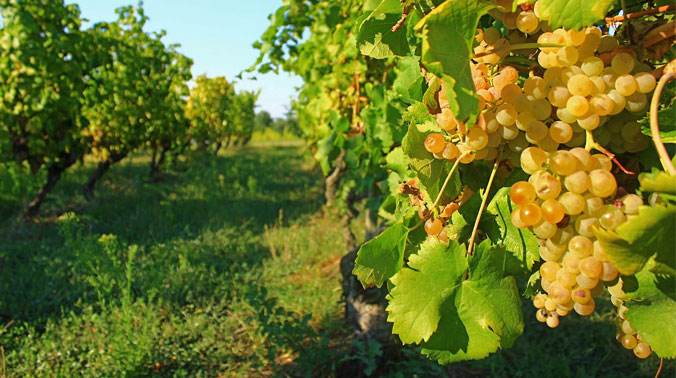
x,y
195,230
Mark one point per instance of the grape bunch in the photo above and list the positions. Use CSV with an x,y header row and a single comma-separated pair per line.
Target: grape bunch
x,y
585,93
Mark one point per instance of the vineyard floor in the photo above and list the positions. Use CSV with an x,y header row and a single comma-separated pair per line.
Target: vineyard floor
x,y
225,266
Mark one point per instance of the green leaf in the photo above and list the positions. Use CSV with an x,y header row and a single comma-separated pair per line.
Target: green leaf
x,y
431,172
396,161
381,257
521,244
574,14
665,119
632,244
652,311
409,82
658,181
461,309
376,38
448,33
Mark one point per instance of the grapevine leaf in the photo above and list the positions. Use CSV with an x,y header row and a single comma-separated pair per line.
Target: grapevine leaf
x,y
658,181
376,38
409,82
431,172
417,113
463,219
574,14
381,257
421,289
521,244
447,33
665,119
480,314
652,311
429,97
632,244
396,161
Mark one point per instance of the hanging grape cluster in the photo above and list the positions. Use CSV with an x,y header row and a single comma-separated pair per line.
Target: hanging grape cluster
x,y
558,121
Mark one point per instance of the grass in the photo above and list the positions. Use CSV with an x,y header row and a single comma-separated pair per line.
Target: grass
x,y
226,267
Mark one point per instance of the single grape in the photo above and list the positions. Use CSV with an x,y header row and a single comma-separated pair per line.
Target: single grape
x,y
585,224
601,104
642,350
602,183
530,214
608,43
565,279
559,97
450,152
601,161
558,293
577,105
591,267
536,131
535,86
586,282
573,203
622,63
626,84
580,85
580,295
527,22
612,217
553,320
550,254
645,82
433,226
599,85
552,211
435,143
506,114
580,246
636,102
589,121
544,229
532,160
609,272
547,187
562,162
476,139
522,193
583,158
541,109
567,56
571,263
548,270
631,204
560,132
446,120
541,315
627,329
491,35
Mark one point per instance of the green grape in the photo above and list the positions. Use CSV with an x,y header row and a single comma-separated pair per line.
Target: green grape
x,y
522,193
622,63
509,92
559,96
629,341
565,278
642,350
450,152
548,255
577,182
536,131
585,309
491,35
626,84
558,293
645,82
591,267
585,224
577,106
592,66
580,85
631,132
548,144
433,226
627,329
518,144
535,86
544,229
552,76
565,116
583,158
602,183
636,102
523,104
608,43
553,320
581,246
573,203
541,109
494,140
532,160
580,295
562,162
508,132
612,217
599,85
600,161
435,143
567,56
527,22
631,204
515,218
571,263
609,76
586,282
577,139
476,139
560,132
523,120
589,121
548,271
530,214
609,272
601,104
506,114
547,187
552,211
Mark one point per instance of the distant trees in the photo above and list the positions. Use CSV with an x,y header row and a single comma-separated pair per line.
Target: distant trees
x,y
105,91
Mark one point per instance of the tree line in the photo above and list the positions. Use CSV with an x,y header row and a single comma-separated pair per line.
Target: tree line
x,y
104,91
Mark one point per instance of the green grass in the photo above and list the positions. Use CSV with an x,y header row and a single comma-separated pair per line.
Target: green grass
x,y
226,267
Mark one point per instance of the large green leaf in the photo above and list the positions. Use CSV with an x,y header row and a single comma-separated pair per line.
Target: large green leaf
x,y
448,33
381,257
665,119
431,172
460,309
409,82
658,181
652,311
574,14
521,244
376,38
632,244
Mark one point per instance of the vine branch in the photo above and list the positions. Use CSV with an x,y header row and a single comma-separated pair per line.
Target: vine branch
x,y
591,144
654,123
662,9
483,203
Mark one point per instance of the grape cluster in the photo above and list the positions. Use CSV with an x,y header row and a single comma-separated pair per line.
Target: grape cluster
x,y
587,94
626,334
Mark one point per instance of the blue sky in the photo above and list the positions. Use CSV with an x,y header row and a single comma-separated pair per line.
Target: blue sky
x,y
216,34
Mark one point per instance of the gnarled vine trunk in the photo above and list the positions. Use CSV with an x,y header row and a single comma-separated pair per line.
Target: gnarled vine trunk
x,y
331,182
101,169
54,172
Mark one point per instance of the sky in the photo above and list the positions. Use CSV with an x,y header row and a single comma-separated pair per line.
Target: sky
x,y
216,34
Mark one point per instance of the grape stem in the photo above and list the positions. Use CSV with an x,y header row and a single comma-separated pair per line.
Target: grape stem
x,y
441,191
519,46
659,369
667,164
591,144
483,204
